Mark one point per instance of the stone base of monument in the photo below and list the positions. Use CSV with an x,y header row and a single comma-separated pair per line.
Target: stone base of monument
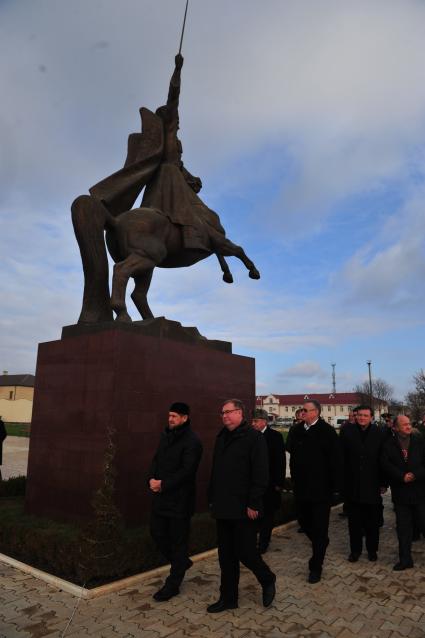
x,y
124,376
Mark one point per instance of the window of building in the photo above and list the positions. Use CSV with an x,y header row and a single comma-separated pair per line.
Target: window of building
x,y
10,394
270,409
329,408
341,408
293,408
270,400
286,408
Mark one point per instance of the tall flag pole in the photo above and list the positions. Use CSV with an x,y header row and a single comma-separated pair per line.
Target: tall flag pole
x,y
184,24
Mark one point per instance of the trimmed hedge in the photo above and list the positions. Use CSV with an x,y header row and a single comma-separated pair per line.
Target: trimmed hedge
x,y
57,547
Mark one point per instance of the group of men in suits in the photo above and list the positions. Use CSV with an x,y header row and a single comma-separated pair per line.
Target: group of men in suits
x,y
247,477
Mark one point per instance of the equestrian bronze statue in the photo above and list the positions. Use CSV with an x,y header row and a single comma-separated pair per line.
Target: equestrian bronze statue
x,y
172,227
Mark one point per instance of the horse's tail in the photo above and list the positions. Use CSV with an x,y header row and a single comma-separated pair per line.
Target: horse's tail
x,y
89,218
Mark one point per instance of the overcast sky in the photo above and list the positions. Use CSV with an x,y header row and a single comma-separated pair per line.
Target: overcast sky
x,y
305,121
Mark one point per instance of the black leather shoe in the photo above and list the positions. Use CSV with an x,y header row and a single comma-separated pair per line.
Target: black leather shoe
x,y
269,592
400,567
314,577
165,593
353,557
221,605
372,556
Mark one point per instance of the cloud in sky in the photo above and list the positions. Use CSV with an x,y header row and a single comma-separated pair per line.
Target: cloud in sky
x,y
306,122
304,369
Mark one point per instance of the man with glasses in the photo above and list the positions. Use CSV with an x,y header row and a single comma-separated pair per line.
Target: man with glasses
x,y
316,471
239,478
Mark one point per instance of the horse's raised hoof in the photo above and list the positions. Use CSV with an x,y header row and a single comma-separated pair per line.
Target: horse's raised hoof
x,y
254,274
227,277
124,317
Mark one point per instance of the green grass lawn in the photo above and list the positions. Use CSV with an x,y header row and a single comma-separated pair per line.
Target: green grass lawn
x,y
18,429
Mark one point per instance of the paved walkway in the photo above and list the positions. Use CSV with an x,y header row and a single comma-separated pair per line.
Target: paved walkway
x,y
364,599
15,456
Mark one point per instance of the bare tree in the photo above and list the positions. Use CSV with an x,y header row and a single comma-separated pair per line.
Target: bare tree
x,y
416,399
382,393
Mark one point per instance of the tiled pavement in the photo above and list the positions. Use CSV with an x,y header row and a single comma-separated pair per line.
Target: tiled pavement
x,y
15,456
362,599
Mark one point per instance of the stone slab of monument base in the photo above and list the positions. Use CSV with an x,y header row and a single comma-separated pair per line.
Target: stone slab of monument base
x,y
124,376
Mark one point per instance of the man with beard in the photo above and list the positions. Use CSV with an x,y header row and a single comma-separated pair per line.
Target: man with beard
x,y
171,479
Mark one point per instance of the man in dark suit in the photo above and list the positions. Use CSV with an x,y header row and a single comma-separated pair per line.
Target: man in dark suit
x,y
403,460
362,444
171,479
2,438
277,469
316,471
239,479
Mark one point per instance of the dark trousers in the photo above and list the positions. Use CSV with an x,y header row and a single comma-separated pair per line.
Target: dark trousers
x,y
364,519
172,538
265,527
314,520
406,516
237,541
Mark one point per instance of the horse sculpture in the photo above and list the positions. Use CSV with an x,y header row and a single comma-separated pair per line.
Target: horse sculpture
x,y
173,227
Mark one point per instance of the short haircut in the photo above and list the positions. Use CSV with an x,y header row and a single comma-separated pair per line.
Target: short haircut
x,y
364,407
298,411
395,420
237,403
315,403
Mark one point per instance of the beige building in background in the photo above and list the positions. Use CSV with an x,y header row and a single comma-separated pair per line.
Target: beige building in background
x,y
335,407
16,397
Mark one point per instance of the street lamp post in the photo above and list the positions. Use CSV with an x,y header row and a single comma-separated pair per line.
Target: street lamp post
x,y
369,365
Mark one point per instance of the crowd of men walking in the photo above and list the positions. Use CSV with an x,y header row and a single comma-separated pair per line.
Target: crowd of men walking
x,y
247,477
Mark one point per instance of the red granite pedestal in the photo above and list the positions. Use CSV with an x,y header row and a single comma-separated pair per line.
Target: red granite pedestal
x,y
118,376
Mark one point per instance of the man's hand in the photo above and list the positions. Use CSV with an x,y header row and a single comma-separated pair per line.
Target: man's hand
x,y
252,514
179,60
408,477
155,485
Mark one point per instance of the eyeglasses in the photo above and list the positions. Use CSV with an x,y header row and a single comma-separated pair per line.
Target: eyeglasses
x,y
224,412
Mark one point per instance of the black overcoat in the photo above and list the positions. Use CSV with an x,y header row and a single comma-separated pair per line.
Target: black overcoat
x,y
175,463
363,476
316,462
277,468
239,473
2,438
395,467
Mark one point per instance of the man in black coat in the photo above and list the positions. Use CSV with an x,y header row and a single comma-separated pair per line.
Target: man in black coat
x,y
239,479
316,472
171,479
362,444
2,438
277,470
403,460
